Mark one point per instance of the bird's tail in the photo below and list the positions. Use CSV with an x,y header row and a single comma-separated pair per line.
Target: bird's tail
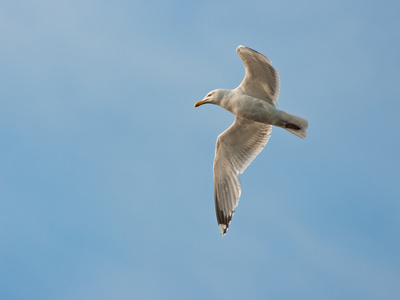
x,y
296,125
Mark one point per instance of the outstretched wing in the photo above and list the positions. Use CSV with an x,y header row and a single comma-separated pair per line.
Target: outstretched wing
x,y
261,79
235,149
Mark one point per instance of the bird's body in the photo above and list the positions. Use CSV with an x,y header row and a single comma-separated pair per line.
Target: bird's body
x,y
248,107
254,104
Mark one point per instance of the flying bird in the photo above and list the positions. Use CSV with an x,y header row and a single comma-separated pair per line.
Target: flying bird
x,y
254,104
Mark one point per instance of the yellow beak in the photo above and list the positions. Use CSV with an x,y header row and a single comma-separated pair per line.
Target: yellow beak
x,y
200,103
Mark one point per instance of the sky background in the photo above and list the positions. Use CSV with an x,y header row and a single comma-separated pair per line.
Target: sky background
x,y
106,188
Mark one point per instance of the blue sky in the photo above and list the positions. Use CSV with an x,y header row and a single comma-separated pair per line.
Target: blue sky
x,y
106,173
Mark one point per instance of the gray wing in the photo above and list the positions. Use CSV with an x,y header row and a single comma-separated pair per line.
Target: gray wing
x,y
235,149
261,79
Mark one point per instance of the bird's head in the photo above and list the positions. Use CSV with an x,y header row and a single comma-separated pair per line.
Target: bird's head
x,y
213,97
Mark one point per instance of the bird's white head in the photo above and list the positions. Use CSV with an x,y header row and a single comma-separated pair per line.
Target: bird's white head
x,y
213,97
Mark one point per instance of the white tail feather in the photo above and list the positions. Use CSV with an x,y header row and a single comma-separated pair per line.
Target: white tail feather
x,y
290,120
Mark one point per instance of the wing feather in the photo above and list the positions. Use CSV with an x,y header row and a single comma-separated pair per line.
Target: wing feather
x,y
261,79
235,149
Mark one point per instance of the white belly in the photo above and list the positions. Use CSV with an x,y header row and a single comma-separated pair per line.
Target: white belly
x,y
255,109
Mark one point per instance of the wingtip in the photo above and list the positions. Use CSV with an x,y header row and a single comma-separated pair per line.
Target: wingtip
x,y
240,47
223,229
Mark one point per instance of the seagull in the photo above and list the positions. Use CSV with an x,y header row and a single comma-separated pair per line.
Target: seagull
x,y
254,103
